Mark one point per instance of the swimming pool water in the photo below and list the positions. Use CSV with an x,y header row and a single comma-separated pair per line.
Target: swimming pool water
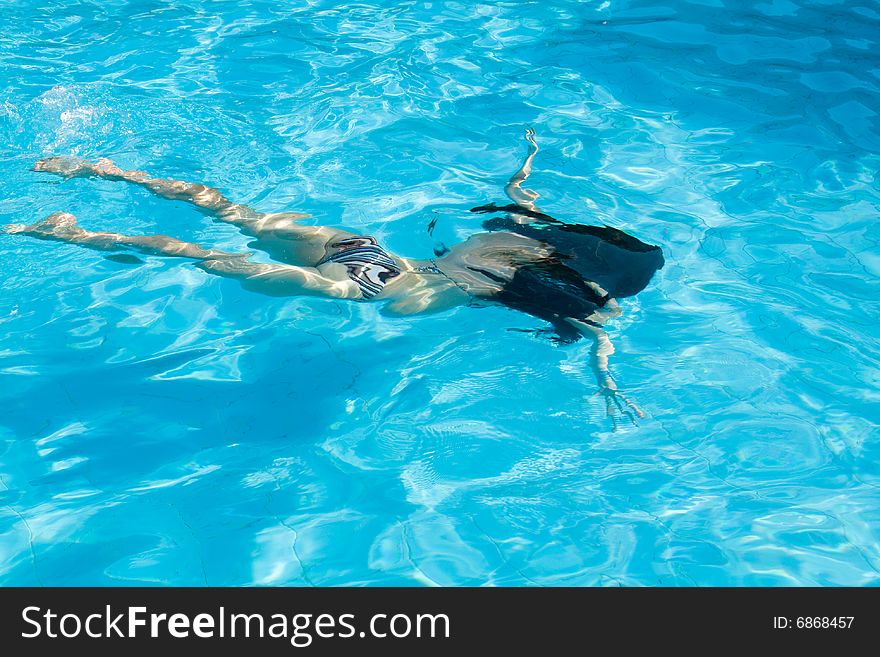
x,y
161,426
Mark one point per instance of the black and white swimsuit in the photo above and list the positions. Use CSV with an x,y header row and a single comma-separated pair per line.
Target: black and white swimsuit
x,y
368,264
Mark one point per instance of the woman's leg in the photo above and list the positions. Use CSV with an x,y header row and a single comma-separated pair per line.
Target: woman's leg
x,y
270,279
206,198
282,280
63,227
277,233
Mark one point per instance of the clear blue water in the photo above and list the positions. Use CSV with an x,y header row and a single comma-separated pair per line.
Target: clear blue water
x,y
161,426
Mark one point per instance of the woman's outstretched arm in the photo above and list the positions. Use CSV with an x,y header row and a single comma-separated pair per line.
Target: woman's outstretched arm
x,y
616,404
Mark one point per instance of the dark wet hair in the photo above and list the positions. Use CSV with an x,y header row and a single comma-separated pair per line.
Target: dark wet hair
x,y
558,286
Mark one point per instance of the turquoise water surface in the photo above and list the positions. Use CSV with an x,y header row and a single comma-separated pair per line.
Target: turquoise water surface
x,y
162,426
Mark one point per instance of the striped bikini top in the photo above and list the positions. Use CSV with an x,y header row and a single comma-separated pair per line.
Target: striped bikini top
x,y
368,264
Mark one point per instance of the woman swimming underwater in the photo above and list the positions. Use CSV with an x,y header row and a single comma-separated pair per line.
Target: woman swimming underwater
x,y
569,275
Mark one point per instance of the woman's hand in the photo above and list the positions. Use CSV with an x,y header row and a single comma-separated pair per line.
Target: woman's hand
x,y
617,405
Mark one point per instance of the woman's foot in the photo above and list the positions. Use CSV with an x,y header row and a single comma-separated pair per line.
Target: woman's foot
x,y
64,166
73,167
58,225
